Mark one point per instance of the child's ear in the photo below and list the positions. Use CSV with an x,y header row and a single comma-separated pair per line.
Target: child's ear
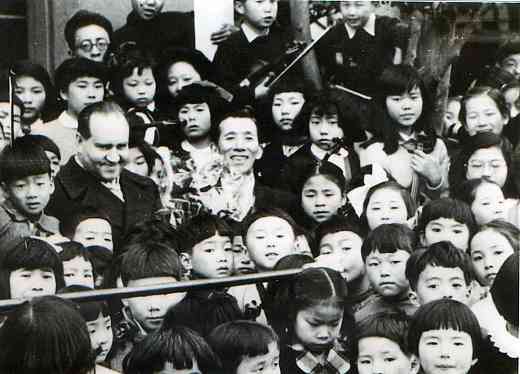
x,y
52,184
422,239
79,138
414,299
239,7
414,364
64,95
186,261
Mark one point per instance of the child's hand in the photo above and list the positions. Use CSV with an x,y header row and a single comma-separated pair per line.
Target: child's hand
x,y
427,166
222,34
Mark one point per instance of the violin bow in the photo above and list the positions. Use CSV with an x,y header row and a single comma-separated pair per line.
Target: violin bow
x,y
301,55
11,77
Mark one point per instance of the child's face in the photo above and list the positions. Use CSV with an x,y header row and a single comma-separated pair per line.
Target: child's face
x,y
5,123
139,88
405,109
32,93
386,272
483,115
82,92
169,369
147,9
94,231
318,327
446,229
489,203
266,364
446,351
321,198
78,271
259,14
181,74
198,120
451,115
213,257
324,130
286,106
31,194
511,64
345,248
356,13
238,143
489,163
438,282
149,311
489,250
54,160
381,355
136,162
100,331
268,240
25,283
386,205
242,263
511,95
91,42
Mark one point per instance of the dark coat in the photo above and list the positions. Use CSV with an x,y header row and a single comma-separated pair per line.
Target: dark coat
x,y
75,189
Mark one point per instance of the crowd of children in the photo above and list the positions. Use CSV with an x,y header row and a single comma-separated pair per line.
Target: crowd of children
x,y
145,164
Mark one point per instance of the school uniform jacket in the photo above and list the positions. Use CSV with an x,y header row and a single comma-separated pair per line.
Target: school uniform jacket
x,y
76,188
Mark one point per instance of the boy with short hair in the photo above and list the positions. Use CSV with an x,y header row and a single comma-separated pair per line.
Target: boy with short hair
x,y
5,114
80,82
51,150
89,226
385,252
439,271
380,345
26,180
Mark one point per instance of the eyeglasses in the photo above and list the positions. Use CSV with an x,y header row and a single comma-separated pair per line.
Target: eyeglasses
x,y
87,45
494,164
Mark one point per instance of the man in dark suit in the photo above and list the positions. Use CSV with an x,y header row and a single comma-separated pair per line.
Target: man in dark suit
x,y
95,177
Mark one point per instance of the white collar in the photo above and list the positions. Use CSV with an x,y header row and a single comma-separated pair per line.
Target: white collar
x,y
188,147
151,106
318,152
68,121
370,27
250,33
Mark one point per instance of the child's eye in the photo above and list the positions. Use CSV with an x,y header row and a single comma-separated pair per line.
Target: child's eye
x,y
364,362
68,275
477,258
346,248
375,208
390,359
280,236
432,286
395,262
260,237
457,285
498,253
457,231
87,275
209,250
436,229
92,331
431,342
47,276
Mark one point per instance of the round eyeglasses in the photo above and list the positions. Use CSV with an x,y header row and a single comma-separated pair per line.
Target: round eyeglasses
x,y
87,45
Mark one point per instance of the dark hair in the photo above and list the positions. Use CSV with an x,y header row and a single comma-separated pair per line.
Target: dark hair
x,y
458,168
442,254
326,169
397,80
153,229
446,208
45,335
34,70
29,253
391,325
149,154
293,261
22,159
407,199
44,142
504,228
443,314
180,346
149,259
504,290
334,225
102,107
71,250
200,228
493,93
232,341
84,18
389,238
128,58
467,191
89,310
264,213
101,258
68,227
243,113
313,286
510,47
78,67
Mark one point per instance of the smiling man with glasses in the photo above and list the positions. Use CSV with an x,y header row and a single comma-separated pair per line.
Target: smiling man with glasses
x,y
88,35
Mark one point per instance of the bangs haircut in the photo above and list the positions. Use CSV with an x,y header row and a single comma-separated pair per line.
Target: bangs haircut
x,y
232,341
389,238
506,229
180,346
23,159
89,310
29,253
128,58
100,257
200,228
441,254
467,191
71,250
264,213
337,224
391,325
44,142
149,260
45,335
68,227
449,208
78,67
155,229
444,314
493,93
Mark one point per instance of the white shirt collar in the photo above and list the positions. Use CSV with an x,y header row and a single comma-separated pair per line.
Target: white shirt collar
x,y
68,121
369,27
318,152
250,33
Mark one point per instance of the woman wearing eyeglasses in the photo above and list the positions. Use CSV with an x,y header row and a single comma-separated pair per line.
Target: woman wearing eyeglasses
x,y
88,35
